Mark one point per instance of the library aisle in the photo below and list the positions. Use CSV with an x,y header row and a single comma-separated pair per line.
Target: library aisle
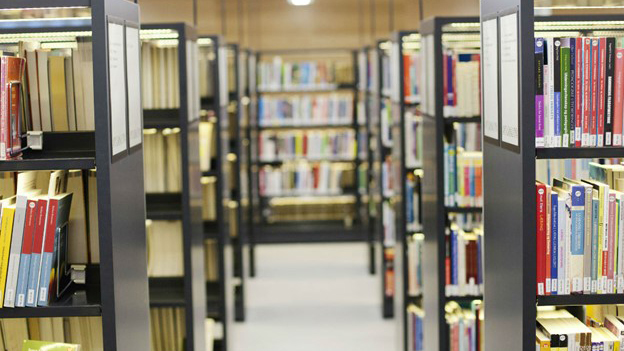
x,y
313,297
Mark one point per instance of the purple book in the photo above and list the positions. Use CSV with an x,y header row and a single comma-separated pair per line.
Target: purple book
x,y
539,92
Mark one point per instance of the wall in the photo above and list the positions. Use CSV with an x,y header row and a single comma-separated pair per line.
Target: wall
x,y
274,24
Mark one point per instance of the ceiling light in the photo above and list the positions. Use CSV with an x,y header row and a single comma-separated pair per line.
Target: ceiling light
x,y
300,2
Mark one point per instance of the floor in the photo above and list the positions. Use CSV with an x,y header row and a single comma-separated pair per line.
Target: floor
x,y
313,297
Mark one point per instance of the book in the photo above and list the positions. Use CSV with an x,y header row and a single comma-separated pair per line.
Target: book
x,y
31,345
58,92
464,262
329,145
8,213
539,92
27,247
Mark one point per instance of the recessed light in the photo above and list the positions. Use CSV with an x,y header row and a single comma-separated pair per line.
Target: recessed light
x,y
300,2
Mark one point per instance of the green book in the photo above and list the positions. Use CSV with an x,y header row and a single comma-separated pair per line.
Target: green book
x,y
32,345
565,91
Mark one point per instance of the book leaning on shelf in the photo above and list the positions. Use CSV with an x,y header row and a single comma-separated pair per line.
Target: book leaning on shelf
x,y
579,96
464,262
305,110
311,145
580,233
461,70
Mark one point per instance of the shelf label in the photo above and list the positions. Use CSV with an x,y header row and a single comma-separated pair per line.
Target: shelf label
x,y
117,87
489,31
510,123
133,71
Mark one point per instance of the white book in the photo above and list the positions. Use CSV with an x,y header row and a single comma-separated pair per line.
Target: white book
x,y
620,246
547,128
551,141
44,90
87,86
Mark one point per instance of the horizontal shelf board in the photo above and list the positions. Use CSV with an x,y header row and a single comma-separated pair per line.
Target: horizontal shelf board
x,y
474,119
564,153
24,4
166,291
307,126
466,298
52,163
453,209
577,300
211,229
78,304
165,206
161,118
211,173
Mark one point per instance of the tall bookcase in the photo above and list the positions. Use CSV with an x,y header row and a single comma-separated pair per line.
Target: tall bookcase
x,y
187,291
435,34
214,107
510,174
120,205
272,229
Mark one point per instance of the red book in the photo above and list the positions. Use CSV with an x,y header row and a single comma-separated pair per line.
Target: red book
x,y
540,195
618,97
37,248
602,69
305,145
407,91
595,77
454,77
445,74
548,262
29,226
447,259
578,80
586,91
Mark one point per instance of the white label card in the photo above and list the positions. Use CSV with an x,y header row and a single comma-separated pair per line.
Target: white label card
x,y
489,30
135,111
509,80
117,87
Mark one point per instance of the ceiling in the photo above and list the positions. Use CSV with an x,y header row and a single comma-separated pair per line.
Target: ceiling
x,y
274,24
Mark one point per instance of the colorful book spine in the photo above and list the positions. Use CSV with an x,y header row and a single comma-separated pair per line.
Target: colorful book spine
x,y
577,240
565,91
618,97
609,85
539,92
8,214
600,128
47,252
540,194
37,248
27,246
572,87
16,249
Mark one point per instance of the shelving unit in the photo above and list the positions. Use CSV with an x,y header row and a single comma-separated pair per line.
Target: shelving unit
x,y
187,291
510,173
122,247
270,229
214,108
435,34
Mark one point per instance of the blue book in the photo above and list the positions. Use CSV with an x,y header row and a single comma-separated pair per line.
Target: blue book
x,y
594,243
454,279
409,200
554,272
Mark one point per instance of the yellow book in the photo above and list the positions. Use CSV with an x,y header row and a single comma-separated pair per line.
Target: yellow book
x,y
58,93
8,213
543,341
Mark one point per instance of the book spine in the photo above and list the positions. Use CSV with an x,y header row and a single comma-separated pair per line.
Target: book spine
x,y
620,245
4,106
548,240
577,242
595,77
565,92
618,104
611,244
587,260
47,253
35,259
578,92
572,90
601,92
586,117
16,248
539,92
24,265
557,93
541,238
549,70
554,205
609,83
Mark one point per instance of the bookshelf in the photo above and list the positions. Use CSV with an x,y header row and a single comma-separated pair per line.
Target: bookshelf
x,y
187,291
311,215
124,312
512,298
438,34
214,103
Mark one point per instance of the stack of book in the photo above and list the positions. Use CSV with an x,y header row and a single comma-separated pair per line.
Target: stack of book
x,y
167,329
580,230
463,176
162,159
415,328
280,75
415,245
304,178
160,76
314,208
413,140
312,145
18,334
305,110
461,83
465,326
413,191
579,96
165,254
411,77
464,262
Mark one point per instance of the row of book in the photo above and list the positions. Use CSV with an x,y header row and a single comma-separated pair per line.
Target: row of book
x,y
467,136
22,334
304,110
167,328
415,328
415,244
413,140
464,261
160,76
313,208
580,230
310,145
163,160
283,75
303,178
165,254
463,177
413,201
465,326
561,330
42,235
412,67
579,96
461,70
